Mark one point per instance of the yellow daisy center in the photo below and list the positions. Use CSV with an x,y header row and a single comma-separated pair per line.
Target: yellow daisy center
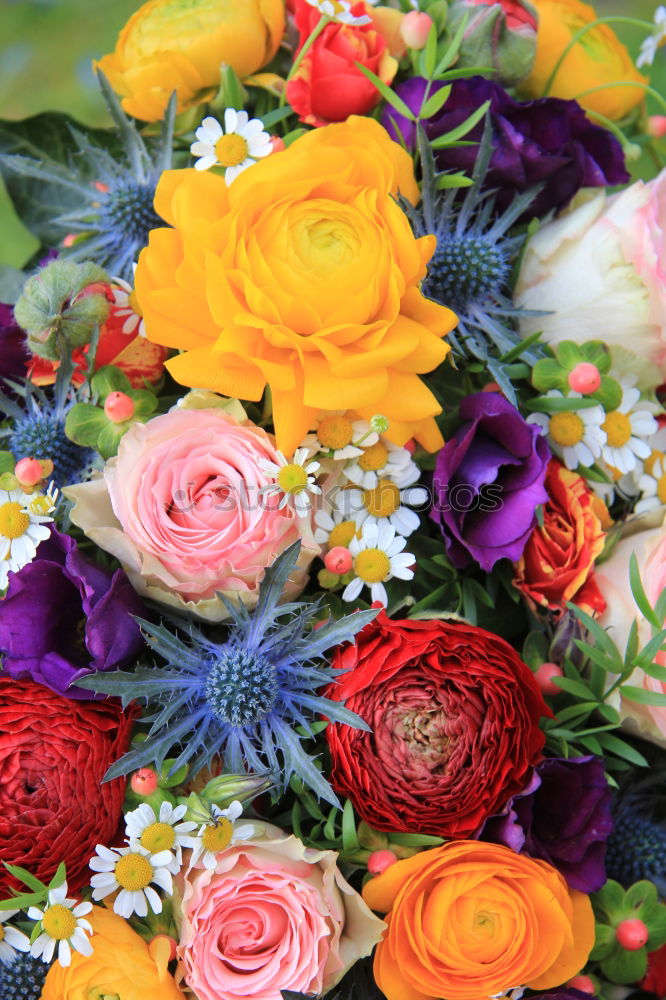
x,y
133,303
335,432
384,500
566,429
13,521
661,489
59,922
372,565
618,428
2,932
231,150
342,534
40,505
134,872
292,478
218,836
158,837
374,457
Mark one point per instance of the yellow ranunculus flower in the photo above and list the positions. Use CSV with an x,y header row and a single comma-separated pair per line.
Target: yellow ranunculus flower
x,y
121,965
304,275
597,59
179,45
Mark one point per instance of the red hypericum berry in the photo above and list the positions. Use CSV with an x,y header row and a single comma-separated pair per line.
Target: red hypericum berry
x,y
544,678
656,126
144,782
29,472
379,861
584,378
632,934
277,144
119,407
338,560
582,983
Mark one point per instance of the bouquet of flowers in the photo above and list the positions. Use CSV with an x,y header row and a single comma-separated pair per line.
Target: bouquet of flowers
x,y
332,498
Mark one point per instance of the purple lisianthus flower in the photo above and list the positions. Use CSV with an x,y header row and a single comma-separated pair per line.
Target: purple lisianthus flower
x,y
14,354
548,141
488,482
563,816
64,617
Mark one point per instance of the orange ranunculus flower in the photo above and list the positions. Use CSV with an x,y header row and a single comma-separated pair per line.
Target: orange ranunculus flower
x,y
121,965
304,275
469,920
179,45
557,563
598,59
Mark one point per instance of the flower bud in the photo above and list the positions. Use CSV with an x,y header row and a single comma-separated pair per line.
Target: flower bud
x,y
379,861
144,781
58,309
632,934
225,788
656,126
415,29
118,407
544,678
500,34
338,560
29,472
584,378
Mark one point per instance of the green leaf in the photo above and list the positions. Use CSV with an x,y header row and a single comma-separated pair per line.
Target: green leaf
x,y
59,877
428,55
600,636
609,394
110,437
622,749
11,284
573,711
624,966
349,836
23,875
109,379
457,133
415,840
657,928
642,697
145,403
273,117
577,688
568,354
535,649
641,895
7,462
604,942
631,649
434,104
452,50
84,424
389,95
519,349
609,713
457,180
609,899
555,404
597,353
640,597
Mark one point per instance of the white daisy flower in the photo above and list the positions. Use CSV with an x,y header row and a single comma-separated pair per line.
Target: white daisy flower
x,y
385,504
62,924
235,147
339,10
126,307
132,870
213,837
160,832
626,429
577,436
652,484
654,40
23,525
340,437
382,460
378,557
334,528
294,480
11,938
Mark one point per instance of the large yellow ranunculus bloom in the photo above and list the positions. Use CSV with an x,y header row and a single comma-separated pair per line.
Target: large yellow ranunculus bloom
x,y
470,919
121,965
180,45
304,275
598,59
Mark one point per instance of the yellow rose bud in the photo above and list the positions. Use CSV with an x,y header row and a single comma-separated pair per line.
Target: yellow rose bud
x,y
180,45
598,59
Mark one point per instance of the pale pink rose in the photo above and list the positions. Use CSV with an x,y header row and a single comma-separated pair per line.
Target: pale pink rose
x,y
274,915
600,267
612,578
180,507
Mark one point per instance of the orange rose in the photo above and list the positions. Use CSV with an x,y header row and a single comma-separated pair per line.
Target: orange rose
x,y
558,561
470,919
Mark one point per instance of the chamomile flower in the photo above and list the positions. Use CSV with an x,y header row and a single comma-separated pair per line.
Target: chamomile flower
x,y
24,520
294,480
385,504
652,483
62,923
161,831
333,528
382,460
236,146
654,40
577,436
221,832
378,557
626,429
339,10
340,437
126,307
131,870
11,939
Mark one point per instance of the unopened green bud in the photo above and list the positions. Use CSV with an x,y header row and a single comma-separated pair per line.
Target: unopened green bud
x,y
371,839
226,788
61,305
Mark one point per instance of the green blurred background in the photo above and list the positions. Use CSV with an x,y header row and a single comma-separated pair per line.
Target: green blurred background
x,y
46,51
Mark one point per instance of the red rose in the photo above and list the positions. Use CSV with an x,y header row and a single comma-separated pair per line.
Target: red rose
x,y
327,86
54,753
455,715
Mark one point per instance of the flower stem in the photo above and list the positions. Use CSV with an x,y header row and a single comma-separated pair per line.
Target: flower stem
x,y
625,83
583,31
307,45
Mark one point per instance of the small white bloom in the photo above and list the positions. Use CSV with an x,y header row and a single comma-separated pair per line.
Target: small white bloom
x,y
378,557
294,480
235,147
382,460
63,925
339,10
160,832
626,429
340,437
11,938
126,307
385,504
215,836
652,484
653,41
23,525
333,529
132,870
577,436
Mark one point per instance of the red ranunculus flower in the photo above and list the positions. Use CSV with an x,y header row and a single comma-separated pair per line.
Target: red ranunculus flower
x,y
455,715
327,86
54,753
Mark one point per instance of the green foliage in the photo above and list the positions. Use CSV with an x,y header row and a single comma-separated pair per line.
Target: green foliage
x,y
612,905
553,373
88,425
40,891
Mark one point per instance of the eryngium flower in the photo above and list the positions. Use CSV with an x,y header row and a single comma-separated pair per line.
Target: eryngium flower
x,y
240,698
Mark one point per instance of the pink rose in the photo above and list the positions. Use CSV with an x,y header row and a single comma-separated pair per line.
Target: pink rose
x,y
180,508
274,915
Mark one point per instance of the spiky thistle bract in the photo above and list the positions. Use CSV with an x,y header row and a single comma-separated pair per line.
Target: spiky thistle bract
x,y
242,698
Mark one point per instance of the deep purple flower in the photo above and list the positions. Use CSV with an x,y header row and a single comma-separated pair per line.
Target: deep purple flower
x,y
488,482
563,817
561,993
546,141
14,354
63,617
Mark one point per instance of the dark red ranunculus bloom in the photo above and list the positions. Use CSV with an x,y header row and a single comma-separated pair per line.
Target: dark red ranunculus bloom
x,y
54,806
454,714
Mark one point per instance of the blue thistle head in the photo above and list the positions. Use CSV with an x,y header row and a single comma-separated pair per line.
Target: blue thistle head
x,y
22,979
636,849
241,698
111,197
